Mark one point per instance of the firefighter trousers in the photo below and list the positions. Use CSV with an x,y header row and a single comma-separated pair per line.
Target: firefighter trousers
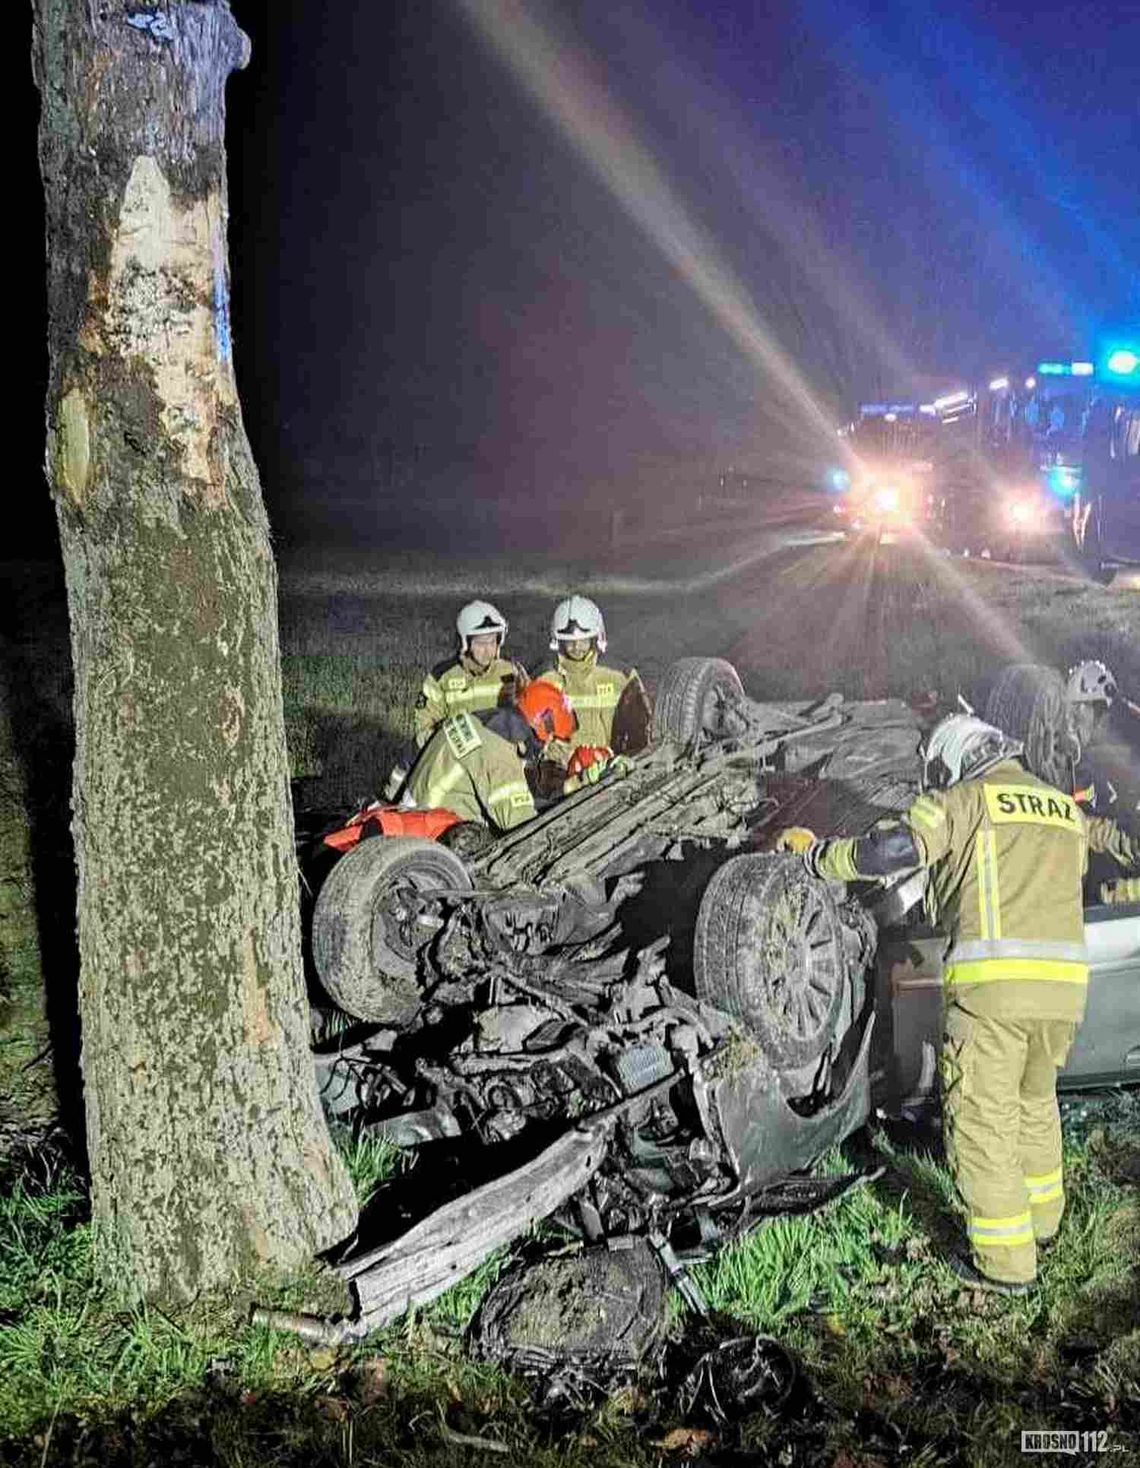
x,y
1002,1131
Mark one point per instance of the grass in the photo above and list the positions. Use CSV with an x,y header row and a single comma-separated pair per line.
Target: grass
x,y
891,1342
861,1293
371,1160
347,718
67,1351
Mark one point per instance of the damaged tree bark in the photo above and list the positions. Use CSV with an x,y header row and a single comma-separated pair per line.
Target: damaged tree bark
x,y
209,1153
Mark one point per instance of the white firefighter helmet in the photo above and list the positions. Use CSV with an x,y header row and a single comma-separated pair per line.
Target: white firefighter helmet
x,y
1090,682
962,746
477,618
574,617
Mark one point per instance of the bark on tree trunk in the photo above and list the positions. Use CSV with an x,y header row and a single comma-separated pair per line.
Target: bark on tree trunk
x,y
209,1152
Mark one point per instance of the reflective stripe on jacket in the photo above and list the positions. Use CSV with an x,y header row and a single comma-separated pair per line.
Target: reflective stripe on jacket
x,y
456,688
1008,854
469,769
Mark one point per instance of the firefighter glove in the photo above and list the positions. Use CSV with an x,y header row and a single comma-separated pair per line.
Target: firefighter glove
x,y
616,765
587,757
794,838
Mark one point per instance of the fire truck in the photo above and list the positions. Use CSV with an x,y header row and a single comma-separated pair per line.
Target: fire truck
x,y
1072,428
887,486
996,500
1008,467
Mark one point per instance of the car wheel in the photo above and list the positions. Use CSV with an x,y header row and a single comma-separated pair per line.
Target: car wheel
x,y
1028,703
368,924
698,697
768,949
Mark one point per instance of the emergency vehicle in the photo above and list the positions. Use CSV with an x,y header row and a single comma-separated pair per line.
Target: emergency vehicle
x,y
888,487
1016,465
1073,427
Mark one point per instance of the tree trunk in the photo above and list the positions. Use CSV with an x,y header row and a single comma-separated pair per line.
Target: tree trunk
x,y
209,1153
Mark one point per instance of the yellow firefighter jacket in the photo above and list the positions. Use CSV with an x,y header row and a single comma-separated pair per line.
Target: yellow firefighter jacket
x,y
460,686
1008,855
469,769
593,692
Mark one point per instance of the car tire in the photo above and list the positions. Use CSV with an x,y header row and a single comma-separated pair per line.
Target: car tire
x,y
366,956
1028,703
695,698
768,948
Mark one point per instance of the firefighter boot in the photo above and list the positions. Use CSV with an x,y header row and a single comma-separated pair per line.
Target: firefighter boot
x,y
979,1281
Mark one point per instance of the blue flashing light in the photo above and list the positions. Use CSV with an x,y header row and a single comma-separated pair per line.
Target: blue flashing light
x,y
1054,369
838,480
1081,369
1124,362
1063,480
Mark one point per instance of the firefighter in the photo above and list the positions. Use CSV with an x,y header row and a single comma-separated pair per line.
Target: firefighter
x,y
1090,691
478,678
611,707
478,766
1007,854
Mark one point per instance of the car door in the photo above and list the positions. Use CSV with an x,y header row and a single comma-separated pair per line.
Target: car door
x,y
1107,1046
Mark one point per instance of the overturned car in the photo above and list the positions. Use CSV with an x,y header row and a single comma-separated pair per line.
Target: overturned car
x,y
630,1013
627,1012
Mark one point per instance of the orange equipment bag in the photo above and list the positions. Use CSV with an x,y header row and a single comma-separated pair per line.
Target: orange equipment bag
x,y
393,820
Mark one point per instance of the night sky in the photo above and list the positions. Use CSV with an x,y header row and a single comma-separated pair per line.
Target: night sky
x,y
527,256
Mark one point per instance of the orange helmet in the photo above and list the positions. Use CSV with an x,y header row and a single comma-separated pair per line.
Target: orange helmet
x,y
547,710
